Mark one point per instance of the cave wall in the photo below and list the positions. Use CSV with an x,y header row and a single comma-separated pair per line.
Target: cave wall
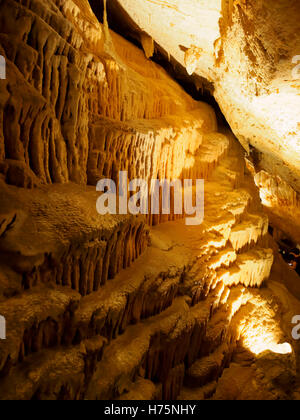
x,y
247,49
103,306
79,103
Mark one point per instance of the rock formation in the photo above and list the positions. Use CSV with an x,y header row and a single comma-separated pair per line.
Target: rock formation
x,y
136,306
249,50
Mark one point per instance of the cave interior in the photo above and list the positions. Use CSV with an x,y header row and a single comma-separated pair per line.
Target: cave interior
x,y
104,302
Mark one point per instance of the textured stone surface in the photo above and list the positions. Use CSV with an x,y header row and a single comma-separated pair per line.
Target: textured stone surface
x,y
126,307
246,48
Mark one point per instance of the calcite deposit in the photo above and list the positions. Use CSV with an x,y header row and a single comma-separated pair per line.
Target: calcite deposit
x,y
142,307
249,51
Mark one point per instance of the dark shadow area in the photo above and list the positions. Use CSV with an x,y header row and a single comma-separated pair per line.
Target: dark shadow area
x,y
289,251
121,23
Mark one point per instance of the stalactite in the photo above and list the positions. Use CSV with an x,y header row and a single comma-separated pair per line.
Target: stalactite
x,y
127,306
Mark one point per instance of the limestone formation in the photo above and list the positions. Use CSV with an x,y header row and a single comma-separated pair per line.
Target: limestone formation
x,y
249,50
132,307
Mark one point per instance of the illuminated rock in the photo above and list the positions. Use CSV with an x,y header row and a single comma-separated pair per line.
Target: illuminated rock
x,y
249,52
121,306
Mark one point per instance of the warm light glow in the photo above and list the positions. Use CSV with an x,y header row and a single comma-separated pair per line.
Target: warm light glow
x,y
265,197
259,346
257,340
260,331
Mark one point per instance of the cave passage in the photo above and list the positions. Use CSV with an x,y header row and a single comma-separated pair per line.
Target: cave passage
x,y
100,299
